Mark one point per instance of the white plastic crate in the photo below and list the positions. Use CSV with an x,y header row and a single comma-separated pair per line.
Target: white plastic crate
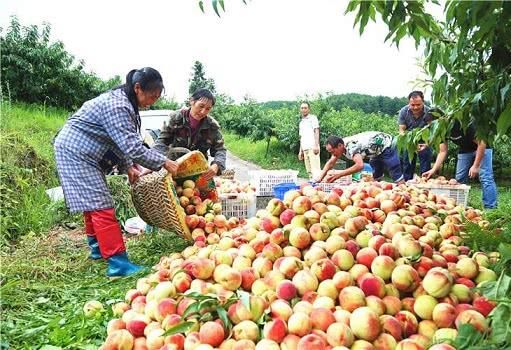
x,y
240,205
265,180
328,186
457,192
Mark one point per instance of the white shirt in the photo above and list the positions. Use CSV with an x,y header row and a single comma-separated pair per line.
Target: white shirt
x,y
307,126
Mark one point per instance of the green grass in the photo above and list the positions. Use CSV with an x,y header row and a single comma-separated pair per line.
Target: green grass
x,y
46,281
279,156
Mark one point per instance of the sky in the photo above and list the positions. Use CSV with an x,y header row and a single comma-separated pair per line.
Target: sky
x,y
266,49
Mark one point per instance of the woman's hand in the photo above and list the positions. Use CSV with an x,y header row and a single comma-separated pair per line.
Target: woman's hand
x,y
171,166
212,171
133,173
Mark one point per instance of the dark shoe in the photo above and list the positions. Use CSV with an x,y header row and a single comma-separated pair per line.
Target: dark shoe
x,y
119,266
95,254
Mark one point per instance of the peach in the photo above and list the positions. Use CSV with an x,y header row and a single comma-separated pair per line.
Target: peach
x,y
114,325
299,324
330,219
246,330
391,326
227,277
275,330
211,333
166,306
243,344
339,334
299,237
314,254
473,318
267,344
119,339
382,266
392,304
319,231
444,315
280,309
322,318
376,304
438,282
462,293
286,216
328,289
305,280
311,342
365,256
372,285
424,305
445,335
290,342
362,345
342,279
365,324
323,269
427,328
351,298
408,322
303,306
343,259
483,305
385,342
405,278
408,344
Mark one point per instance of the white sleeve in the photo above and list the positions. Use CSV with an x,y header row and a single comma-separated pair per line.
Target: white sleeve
x,y
315,123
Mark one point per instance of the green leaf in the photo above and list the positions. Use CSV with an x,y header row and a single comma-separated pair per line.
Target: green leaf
x,y
179,328
215,7
190,310
201,6
222,4
467,336
501,324
504,121
222,314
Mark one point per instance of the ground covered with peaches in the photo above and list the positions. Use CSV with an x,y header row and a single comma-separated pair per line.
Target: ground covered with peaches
x,y
370,266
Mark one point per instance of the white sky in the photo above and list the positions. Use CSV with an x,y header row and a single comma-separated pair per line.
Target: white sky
x,y
268,49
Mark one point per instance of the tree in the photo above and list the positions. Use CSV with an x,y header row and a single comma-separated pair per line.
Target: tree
x,y
198,79
467,56
35,70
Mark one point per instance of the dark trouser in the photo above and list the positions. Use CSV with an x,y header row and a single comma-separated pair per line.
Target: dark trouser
x,y
425,157
104,226
388,160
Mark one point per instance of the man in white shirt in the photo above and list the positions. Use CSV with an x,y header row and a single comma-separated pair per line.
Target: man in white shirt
x,y
309,141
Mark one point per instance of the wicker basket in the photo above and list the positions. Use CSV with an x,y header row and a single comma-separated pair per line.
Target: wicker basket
x,y
156,202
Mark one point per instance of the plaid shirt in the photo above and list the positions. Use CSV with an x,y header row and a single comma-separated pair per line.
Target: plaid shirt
x,y
103,126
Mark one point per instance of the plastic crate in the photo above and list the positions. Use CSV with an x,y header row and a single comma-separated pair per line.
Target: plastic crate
x,y
457,192
265,180
240,205
281,189
328,186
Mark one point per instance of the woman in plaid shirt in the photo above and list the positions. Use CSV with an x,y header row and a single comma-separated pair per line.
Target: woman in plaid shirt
x,y
106,129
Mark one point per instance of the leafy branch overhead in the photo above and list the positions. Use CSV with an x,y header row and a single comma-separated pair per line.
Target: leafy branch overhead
x,y
467,54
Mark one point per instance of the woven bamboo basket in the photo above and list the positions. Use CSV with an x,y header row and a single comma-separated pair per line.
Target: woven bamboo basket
x,y
156,202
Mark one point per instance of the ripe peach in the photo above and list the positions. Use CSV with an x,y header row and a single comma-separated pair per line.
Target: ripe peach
x,y
311,342
322,318
385,342
473,318
405,278
290,342
119,339
376,304
343,259
275,330
427,328
351,298
280,309
365,324
424,305
391,326
392,304
408,344
408,322
339,334
305,280
342,279
438,282
246,330
299,237
382,266
299,324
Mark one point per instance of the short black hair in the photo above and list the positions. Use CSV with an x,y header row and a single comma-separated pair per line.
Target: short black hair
x,y
205,94
334,141
416,93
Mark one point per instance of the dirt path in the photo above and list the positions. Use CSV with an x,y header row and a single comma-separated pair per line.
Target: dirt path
x,y
241,167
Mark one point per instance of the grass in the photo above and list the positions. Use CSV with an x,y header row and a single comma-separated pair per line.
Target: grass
x,y
47,279
279,156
